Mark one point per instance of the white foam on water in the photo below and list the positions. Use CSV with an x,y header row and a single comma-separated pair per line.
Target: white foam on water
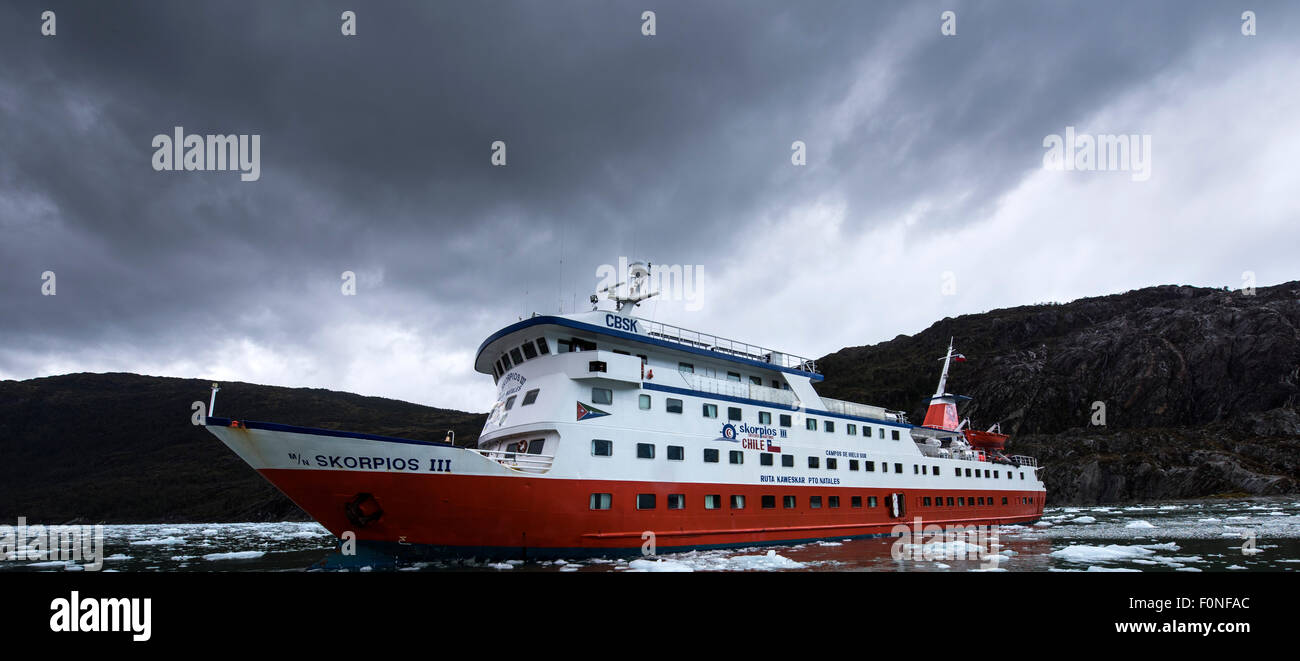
x,y
162,541
235,555
1099,568
501,565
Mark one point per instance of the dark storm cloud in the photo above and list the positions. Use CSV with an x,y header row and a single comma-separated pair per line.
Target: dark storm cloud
x,y
375,149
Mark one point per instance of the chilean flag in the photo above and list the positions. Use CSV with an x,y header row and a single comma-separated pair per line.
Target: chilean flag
x,y
958,358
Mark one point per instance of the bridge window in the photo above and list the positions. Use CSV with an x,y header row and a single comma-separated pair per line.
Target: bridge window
x,y
830,425
601,501
737,502
710,455
712,501
814,462
765,459
736,457
602,396
564,346
768,502
518,357
530,396
788,502
686,367
498,364
710,410
855,501
676,501
676,453
505,360
853,464
832,464
733,376
787,460
733,413
764,417
510,402
541,346
643,402
602,448
851,429
645,501
530,351
645,451
673,405
811,423
785,420
815,502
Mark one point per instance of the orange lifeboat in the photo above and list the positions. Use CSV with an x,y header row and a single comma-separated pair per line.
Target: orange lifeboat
x,y
985,440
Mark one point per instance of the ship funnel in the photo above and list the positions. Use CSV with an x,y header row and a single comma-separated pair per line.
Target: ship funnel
x,y
942,413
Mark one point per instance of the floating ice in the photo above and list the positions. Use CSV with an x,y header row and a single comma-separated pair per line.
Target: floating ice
x,y
159,541
659,565
1083,519
235,555
1138,524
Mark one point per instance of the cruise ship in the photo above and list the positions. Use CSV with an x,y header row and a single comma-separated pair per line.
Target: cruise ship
x,y
613,433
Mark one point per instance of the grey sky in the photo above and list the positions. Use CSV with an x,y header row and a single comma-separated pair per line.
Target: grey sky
x,y
924,159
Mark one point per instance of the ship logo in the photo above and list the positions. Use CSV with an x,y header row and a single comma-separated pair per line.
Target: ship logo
x,y
728,433
587,412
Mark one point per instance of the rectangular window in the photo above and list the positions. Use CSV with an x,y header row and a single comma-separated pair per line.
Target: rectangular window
x,y
644,402
949,501
645,501
764,417
645,451
995,475
602,396
530,351
1004,500
676,453
814,462
869,466
686,367
768,502
961,501
710,455
518,357
851,429
934,470
733,413
916,470
601,448
925,501
967,472
810,423
855,501
882,432
710,410
758,381
787,460
833,502
853,464
866,431
788,502
736,457
564,346
765,459
893,434
871,501
815,502
733,376
785,420
530,396
737,502
600,501
542,348
1022,476
832,464
712,501
830,425
898,468
673,405
510,402
676,501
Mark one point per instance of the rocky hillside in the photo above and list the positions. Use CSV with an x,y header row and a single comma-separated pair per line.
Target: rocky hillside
x,y
1199,388
120,448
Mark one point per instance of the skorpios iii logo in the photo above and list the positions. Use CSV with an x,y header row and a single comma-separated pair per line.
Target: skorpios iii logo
x,y
235,153
77,613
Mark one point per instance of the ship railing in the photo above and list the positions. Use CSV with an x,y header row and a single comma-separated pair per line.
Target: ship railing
x,y
730,388
1024,461
730,347
863,410
529,463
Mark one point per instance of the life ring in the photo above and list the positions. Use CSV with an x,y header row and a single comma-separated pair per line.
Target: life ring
x,y
523,447
362,510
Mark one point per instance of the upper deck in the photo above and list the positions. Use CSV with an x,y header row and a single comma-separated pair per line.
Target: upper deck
x,y
619,325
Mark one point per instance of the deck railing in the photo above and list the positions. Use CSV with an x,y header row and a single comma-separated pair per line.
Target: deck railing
x,y
520,461
726,346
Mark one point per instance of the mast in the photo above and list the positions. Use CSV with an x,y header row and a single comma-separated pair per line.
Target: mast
x,y
943,379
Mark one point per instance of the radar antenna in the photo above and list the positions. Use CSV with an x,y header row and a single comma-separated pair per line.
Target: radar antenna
x,y
639,290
